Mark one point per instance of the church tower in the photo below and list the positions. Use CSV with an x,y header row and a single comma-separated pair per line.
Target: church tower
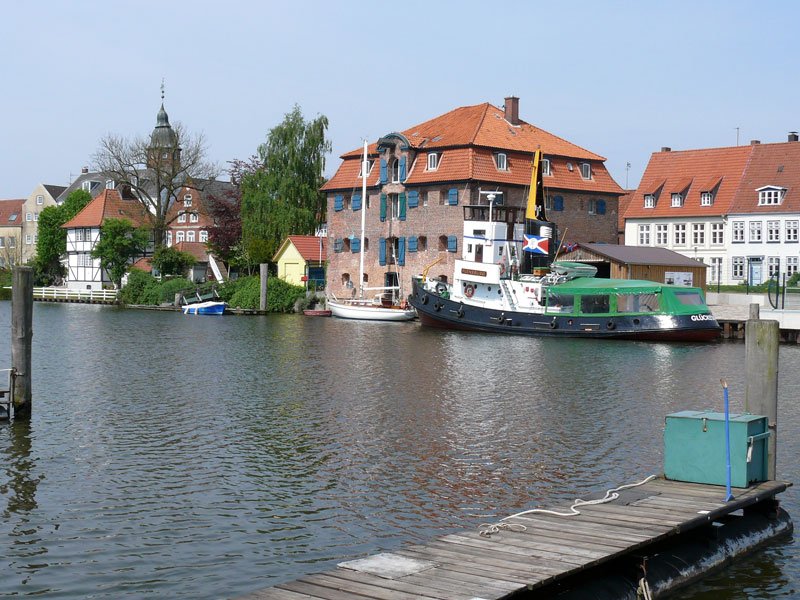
x,y
164,153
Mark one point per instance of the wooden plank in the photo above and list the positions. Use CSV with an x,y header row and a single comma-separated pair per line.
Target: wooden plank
x,y
578,539
512,549
565,548
274,594
465,581
363,583
332,588
625,535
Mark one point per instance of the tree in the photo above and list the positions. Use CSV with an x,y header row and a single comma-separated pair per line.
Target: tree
x,y
156,169
171,261
51,244
119,242
282,195
225,235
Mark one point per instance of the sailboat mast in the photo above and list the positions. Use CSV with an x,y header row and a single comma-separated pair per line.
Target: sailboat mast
x,y
364,165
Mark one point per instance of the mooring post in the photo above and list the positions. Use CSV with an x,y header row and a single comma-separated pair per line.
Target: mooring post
x,y
21,336
262,305
761,371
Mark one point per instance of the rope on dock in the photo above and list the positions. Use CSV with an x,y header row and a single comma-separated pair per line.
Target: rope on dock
x,y
487,529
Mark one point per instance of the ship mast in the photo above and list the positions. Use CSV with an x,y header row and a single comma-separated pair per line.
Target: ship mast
x,y
364,165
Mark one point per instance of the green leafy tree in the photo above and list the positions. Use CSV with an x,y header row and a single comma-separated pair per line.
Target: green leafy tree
x,y
171,261
119,242
51,244
282,195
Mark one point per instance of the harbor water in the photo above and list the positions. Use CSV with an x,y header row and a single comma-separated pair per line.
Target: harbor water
x,y
174,456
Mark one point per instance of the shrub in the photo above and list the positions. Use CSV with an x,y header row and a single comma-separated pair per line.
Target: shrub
x,y
139,288
170,287
245,292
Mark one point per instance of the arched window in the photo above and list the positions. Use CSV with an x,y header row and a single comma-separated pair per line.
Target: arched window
x,y
422,243
442,243
394,169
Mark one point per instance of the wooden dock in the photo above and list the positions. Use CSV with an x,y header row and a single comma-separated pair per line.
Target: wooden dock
x,y
538,558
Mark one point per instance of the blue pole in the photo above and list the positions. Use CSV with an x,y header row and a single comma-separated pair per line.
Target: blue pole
x,y
729,495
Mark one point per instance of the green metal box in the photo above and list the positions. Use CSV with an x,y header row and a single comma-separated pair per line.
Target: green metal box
x,y
694,448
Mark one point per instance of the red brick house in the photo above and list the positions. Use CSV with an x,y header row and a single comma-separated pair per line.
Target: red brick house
x,y
421,178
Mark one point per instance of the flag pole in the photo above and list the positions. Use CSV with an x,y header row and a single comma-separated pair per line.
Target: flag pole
x,y
560,243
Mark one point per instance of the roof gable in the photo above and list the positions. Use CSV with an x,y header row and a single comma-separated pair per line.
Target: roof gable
x,y
771,167
108,205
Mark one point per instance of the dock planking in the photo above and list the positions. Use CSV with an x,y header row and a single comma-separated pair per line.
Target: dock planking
x,y
467,565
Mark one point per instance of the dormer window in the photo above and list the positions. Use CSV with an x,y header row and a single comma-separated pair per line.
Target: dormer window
x,y
395,171
770,195
86,186
433,161
706,199
649,201
182,217
545,166
187,200
677,200
194,218
501,160
361,168
110,184
586,170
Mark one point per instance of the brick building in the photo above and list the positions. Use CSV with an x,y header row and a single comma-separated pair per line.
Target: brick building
x,y
420,179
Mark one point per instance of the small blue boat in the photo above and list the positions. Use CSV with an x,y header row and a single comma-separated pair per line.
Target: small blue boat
x,y
204,308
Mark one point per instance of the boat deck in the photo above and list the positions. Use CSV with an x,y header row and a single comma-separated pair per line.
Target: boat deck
x,y
469,565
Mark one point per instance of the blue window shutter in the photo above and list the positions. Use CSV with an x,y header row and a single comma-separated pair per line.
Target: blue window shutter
x,y
412,243
558,203
452,197
338,202
337,245
601,207
384,171
383,207
401,251
402,168
452,243
402,206
355,245
382,252
357,202
413,198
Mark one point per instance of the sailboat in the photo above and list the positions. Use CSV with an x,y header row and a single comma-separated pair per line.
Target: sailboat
x,y
387,303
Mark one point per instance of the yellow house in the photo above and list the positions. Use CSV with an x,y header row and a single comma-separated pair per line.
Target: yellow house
x,y
302,256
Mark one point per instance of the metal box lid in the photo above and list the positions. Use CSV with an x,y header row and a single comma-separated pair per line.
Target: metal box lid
x,y
715,416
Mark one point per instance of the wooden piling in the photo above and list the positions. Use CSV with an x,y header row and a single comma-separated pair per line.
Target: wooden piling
x,y
21,336
262,305
761,371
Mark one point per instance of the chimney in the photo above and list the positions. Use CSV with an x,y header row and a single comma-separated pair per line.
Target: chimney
x,y
512,110
792,136
84,170
666,149
755,142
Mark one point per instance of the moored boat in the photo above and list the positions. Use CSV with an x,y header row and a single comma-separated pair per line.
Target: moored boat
x,y
509,281
204,308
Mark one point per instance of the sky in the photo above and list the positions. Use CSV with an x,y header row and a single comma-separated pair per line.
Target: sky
x,y
621,79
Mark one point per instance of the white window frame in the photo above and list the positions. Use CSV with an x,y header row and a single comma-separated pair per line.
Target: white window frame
x,y
28,239
187,200
586,170
649,201
706,199
501,161
546,166
698,234
791,231
29,216
791,265
35,217
773,265
40,199
194,217
394,167
737,267
716,269
644,235
680,234
12,241
770,196
737,227
717,234
361,168
190,235
79,234
662,234
677,200
592,207
433,161
773,231
755,232
179,236
86,186
181,217
169,238
110,184
394,200
203,235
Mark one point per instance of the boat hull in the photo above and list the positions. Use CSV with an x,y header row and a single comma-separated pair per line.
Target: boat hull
x,y
316,312
436,311
204,308
370,312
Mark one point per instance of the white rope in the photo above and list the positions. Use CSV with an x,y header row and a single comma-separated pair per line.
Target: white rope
x,y
643,591
487,529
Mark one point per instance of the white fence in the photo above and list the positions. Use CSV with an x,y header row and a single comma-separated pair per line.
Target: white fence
x,y
55,294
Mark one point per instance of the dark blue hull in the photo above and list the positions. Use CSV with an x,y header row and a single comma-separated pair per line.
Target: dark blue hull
x,y
436,311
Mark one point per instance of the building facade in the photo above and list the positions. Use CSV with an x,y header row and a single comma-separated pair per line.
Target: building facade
x,y
419,181
12,217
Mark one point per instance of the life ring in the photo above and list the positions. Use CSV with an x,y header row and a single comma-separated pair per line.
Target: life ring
x,y
425,299
441,288
469,290
610,325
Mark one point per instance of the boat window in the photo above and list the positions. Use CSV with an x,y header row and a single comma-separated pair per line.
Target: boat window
x,y
637,303
594,304
690,298
561,303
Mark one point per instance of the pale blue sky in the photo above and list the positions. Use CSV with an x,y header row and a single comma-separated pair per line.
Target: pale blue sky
x,y
621,79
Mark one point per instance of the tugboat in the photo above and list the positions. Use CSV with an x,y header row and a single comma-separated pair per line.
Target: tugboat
x,y
494,291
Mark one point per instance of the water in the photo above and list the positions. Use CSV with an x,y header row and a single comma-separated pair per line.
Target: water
x,y
206,457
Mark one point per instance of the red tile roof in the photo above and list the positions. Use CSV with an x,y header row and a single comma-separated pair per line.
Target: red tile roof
x,y
624,201
309,246
670,172
8,210
109,205
143,264
770,165
467,138
197,249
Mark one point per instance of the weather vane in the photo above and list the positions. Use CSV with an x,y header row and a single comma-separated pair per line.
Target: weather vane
x,y
162,89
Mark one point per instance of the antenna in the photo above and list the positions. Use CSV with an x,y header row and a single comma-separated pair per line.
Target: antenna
x,y
627,168
162,89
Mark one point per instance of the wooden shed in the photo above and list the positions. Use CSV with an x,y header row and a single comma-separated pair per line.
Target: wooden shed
x,y
640,262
